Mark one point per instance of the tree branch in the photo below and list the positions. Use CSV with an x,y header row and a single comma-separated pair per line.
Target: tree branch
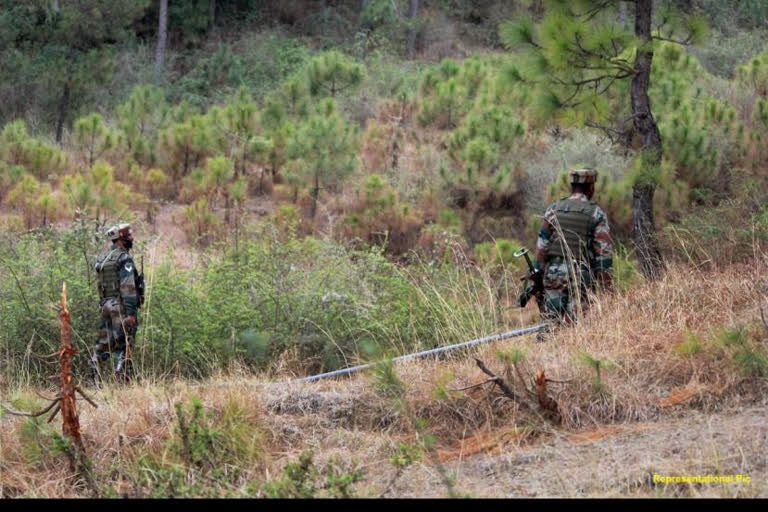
x,y
502,384
475,385
29,414
591,13
86,397
684,42
54,413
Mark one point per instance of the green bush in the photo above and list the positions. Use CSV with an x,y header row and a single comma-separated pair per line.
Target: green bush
x,y
329,305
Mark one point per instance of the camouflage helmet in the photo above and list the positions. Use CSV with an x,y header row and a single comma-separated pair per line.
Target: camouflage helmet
x,y
584,175
119,231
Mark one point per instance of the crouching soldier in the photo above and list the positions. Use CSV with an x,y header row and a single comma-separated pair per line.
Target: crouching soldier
x,y
120,292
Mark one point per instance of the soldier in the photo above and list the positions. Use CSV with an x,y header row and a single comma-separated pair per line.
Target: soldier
x,y
574,250
120,286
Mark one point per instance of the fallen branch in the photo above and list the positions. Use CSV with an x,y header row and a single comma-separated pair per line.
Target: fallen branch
x,y
503,385
28,414
474,385
547,405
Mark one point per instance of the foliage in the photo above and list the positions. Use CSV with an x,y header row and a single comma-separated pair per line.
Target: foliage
x,y
303,479
139,120
598,365
745,348
754,74
379,217
691,346
65,50
206,453
325,147
92,137
19,149
332,73
269,296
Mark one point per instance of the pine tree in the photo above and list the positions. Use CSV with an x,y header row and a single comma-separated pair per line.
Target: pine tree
x,y
578,53
102,178
139,119
332,73
754,74
24,196
185,143
92,137
37,157
219,174
326,146
71,46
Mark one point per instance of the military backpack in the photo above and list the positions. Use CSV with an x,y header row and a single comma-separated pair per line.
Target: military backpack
x,y
573,230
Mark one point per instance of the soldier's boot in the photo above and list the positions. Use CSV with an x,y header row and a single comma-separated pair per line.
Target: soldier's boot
x,y
124,368
97,365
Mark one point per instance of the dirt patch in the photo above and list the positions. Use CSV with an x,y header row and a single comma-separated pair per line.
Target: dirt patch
x,y
617,460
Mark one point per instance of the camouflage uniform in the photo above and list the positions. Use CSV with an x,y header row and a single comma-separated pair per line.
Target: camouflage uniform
x,y
119,299
587,245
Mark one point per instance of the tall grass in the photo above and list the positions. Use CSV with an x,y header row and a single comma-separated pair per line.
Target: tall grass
x,y
273,303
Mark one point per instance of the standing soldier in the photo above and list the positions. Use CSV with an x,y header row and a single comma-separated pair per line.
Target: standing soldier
x,y
120,292
574,250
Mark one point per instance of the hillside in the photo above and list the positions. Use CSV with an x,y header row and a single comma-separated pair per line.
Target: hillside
x,y
316,185
680,393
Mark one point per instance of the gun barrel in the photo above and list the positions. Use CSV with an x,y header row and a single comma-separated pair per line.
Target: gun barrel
x,y
528,260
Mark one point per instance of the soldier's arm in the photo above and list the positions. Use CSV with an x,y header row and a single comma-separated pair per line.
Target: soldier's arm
x,y
128,292
544,239
603,249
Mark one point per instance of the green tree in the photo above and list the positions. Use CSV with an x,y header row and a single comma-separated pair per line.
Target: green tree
x,y
448,91
24,196
580,53
241,122
754,74
326,146
46,204
10,175
102,179
69,46
237,193
92,137
39,158
186,142
139,119
219,174
481,149
333,72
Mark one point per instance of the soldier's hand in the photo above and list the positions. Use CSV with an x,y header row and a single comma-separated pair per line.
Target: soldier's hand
x,y
129,322
605,281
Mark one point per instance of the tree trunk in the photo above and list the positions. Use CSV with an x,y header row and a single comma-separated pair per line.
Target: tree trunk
x,y
63,110
360,17
643,228
315,193
211,15
162,38
413,13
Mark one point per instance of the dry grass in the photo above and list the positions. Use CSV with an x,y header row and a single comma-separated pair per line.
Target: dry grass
x,y
653,395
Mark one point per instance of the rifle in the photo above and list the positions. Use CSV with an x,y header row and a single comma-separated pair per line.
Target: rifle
x,y
140,285
533,281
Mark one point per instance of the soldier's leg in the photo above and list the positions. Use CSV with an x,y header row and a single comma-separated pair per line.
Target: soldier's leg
x,y
124,345
101,349
555,297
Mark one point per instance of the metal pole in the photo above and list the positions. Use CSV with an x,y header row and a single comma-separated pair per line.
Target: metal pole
x,y
440,350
